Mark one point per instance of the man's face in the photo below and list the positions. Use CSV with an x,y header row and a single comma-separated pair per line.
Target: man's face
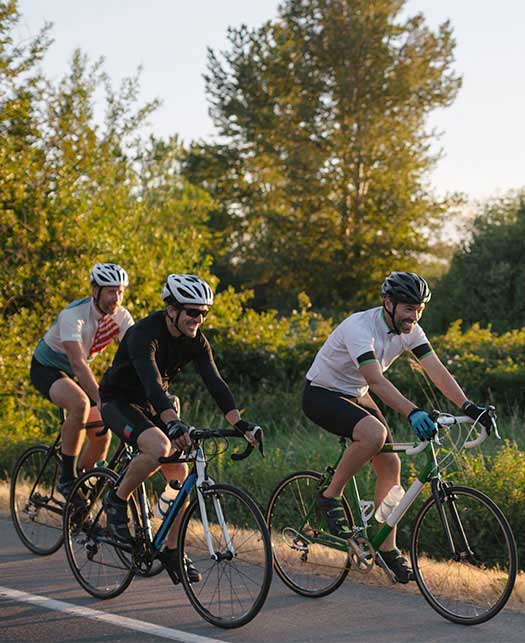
x,y
407,316
191,319
110,298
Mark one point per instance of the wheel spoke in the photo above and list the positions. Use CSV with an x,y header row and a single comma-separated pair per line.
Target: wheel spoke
x,y
101,566
35,510
233,588
463,587
307,565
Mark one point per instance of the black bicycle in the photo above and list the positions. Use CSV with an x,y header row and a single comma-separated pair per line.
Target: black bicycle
x,y
222,531
37,507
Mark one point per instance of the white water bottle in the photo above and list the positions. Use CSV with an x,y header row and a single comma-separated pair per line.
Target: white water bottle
x,y
165,501
390,502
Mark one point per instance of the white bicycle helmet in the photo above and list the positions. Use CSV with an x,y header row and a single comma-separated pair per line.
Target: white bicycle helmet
x,y
108,274
187,289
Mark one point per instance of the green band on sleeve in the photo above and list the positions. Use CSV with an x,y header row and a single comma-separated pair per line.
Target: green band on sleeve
x,y
368,361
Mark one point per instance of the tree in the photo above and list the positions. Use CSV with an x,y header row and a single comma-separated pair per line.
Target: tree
x,y
76,189
319,176
486,280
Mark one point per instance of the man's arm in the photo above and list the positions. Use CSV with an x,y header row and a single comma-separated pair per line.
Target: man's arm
x,y
220,391
385,390
81,369
443,380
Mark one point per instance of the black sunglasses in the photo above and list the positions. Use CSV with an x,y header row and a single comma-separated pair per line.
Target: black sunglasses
x,y
195,312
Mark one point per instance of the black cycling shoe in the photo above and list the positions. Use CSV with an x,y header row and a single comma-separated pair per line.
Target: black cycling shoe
x,y
64,487
170,559
334,513
398,565
117,516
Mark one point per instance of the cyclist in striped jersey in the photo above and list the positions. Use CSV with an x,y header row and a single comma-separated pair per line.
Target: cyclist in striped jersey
x,y
60,367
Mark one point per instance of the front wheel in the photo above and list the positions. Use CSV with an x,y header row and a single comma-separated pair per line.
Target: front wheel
x,y
464,558
35,504
236,574
305,557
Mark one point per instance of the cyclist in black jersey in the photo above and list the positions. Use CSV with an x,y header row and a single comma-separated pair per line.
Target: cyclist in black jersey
x,y
134,398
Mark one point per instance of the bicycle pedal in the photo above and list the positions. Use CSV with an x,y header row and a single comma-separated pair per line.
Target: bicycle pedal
x,y
390,574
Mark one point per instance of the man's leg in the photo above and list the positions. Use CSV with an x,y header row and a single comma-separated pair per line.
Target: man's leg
x,y
68,395
170,554
153,444
368,438
388,470
175,472
97,446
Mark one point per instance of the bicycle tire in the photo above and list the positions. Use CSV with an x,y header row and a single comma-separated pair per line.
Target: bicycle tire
x,y
309,569
94,556
473,585
36,506
234,586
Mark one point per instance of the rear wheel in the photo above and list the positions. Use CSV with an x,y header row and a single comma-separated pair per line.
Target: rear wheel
x,y
98,561
35,504
305,557
236,577
465,559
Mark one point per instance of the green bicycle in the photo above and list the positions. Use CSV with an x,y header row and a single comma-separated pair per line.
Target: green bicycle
x,y
463,551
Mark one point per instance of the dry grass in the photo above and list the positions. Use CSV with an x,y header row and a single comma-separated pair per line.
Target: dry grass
x,y
479,583
4,499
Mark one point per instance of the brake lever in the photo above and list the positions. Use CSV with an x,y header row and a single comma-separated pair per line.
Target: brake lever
x,y
491,410
249,448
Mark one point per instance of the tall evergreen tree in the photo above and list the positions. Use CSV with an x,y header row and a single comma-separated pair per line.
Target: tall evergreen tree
x,y
320,173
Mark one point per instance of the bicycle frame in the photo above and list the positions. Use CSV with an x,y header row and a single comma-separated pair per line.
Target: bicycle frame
x,y
55,450
429,473
197,478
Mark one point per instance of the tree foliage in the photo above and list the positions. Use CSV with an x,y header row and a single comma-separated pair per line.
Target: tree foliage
x,y
486,280
319,175
77,188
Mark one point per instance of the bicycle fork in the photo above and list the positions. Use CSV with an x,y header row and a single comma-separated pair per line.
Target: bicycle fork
x,y
202,483
442,497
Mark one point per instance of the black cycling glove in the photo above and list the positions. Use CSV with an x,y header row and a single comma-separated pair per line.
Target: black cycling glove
x,y
176,428
244,426
480,413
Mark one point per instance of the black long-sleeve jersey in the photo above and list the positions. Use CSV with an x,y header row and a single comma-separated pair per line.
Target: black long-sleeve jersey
x,y
149,358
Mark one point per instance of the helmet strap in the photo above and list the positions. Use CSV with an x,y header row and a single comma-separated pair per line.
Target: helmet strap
x,y
175,320
96,299
392,316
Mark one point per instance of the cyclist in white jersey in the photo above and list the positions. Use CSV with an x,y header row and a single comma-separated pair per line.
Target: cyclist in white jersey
x,y
336,396
60,366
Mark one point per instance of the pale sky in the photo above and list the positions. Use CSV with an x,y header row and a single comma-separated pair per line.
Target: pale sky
x,y
483,133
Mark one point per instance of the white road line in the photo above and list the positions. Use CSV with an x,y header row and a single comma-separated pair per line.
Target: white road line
x,y
121,621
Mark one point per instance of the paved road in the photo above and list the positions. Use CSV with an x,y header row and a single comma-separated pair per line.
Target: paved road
x,y
355,613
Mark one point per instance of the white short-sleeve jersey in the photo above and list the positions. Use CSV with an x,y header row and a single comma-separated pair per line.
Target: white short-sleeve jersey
x,y
78,322
361,338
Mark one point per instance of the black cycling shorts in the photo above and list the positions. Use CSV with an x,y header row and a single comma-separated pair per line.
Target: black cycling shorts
x,y
337,412
128,420
43,377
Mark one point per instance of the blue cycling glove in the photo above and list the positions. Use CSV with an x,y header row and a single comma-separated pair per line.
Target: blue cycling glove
x,y
422,424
